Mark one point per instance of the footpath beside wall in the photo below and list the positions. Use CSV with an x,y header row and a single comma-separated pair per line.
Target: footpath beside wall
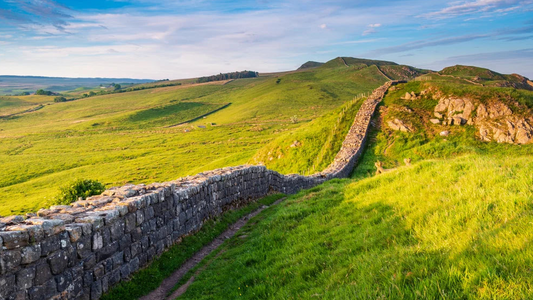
x,y
79,251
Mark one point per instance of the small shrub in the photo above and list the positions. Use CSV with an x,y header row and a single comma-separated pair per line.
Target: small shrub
x,y
60,99
294,119
81,188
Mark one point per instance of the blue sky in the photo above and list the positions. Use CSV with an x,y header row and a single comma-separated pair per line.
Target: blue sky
x,y
189,38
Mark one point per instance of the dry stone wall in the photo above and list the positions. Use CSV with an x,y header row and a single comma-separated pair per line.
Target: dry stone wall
x,y
79,251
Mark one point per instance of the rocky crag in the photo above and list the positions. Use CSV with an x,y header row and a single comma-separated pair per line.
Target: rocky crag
x,y
79,251
494,120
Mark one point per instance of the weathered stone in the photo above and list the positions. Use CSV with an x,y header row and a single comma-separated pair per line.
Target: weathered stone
x,y
434,121
96,290
444,133
64,281
7,286
397,124
98,241
14,239
50,226
58,262
74,231
458,121
96,221
31,254
50,244
42,274
12,219
25,278
46,291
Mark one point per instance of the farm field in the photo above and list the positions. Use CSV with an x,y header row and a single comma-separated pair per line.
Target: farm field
x,y
128,138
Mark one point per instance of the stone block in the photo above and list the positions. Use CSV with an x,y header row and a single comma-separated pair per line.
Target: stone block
x,y
14,239
75,232
50,244
58,262
25,278
30,254
42,274
7,286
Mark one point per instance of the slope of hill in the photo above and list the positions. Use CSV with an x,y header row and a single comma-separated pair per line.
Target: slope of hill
x,y
452,225
121,138
310,64
488,77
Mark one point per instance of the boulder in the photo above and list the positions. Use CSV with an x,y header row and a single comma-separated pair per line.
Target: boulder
x,y
434,121
458,121
444,133
397,124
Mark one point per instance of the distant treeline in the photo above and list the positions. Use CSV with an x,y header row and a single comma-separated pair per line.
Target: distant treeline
x,y
226,76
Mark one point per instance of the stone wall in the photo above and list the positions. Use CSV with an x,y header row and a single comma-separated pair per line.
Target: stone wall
x,y
79,251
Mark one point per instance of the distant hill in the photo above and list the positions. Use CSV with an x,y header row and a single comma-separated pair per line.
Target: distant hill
x,y
310,64
488,77
18,84
352,61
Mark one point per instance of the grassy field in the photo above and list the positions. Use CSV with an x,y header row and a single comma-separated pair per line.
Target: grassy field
x,y
122,138
441,229
452,226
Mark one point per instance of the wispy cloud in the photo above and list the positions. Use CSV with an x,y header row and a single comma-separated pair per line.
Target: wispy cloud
x,y
479,6
420,44
371,28
29,13
425,44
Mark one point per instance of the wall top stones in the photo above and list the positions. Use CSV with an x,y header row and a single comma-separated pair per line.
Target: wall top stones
x,y
78,251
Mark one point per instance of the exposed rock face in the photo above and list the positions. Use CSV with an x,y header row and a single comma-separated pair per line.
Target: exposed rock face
x,y
397,124
495,121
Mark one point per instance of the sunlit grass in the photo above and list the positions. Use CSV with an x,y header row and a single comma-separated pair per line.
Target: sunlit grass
x,y
455,229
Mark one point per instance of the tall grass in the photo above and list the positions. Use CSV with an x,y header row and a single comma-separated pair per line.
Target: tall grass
x,y
442,229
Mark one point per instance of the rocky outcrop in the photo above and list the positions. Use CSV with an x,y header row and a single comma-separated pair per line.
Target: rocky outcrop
x,y
495,121
400,125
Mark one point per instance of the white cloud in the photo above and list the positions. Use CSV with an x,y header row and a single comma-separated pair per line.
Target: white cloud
x,y
371,28
323,26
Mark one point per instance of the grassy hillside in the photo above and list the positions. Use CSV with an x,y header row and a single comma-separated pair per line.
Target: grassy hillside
x,y
453,226
488,77
310,148
453,229
121,138
310,64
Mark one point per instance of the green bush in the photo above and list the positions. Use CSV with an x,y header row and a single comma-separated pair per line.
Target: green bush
x,y
81,188
60,99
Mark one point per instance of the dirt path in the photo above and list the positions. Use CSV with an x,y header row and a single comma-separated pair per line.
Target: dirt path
x,y
168,284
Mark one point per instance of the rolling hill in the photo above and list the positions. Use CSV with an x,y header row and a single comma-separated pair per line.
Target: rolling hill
x,y
127,137
451,224
12,85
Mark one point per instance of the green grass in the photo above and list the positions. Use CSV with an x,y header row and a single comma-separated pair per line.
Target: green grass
x,y
442,229
152,276
121,138
310,148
